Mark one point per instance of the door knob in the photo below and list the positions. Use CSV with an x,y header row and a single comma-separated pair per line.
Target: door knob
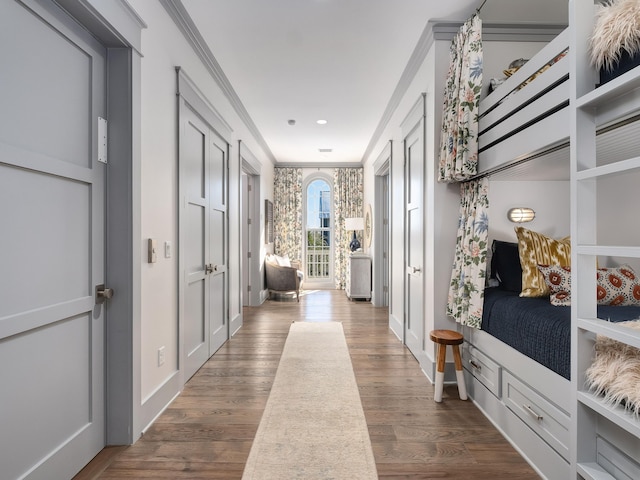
x,y
416,269
103,293
208,268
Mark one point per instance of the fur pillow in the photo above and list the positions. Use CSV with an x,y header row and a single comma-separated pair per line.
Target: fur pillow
x,y
615,30
615,372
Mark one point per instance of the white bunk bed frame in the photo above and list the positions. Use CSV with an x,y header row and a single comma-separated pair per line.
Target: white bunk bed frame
x,y
563,431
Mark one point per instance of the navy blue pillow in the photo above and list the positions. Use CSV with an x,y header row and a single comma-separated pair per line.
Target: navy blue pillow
x,y
505,265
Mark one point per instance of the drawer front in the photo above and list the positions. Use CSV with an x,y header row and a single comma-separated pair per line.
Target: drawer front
x,y
482,367
544,418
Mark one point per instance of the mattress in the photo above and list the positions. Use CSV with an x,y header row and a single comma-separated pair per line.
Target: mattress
x,y
538,329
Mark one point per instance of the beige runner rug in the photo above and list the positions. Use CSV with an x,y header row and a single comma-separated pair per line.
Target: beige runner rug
x,y
313,426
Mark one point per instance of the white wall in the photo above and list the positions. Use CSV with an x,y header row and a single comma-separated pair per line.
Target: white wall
x,y
164,48
441,200
549,199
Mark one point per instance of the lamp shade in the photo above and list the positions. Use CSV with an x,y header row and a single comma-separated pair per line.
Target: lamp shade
x,y
356,223
521,214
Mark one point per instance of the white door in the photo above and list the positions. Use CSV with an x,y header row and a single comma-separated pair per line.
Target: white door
x,y
218,162
414,238
194,167
52,412
203,166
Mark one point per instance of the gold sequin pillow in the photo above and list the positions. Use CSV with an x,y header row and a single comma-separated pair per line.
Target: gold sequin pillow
x,y
534,249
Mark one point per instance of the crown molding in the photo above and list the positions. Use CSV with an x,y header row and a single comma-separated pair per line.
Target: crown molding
x,y
185,24
415,62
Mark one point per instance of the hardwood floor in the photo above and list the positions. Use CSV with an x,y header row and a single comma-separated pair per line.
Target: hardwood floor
x,y
207,431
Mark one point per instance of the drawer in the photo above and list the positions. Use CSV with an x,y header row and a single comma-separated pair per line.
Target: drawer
x,y
542,416
482,367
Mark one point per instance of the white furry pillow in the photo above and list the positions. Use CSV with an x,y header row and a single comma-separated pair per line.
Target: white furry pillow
x,y
616,28
615,372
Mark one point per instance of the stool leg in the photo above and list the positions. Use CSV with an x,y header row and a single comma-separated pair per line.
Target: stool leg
x,y
442,356
462,388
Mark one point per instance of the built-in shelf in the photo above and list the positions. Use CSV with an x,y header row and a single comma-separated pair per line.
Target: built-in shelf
x,y
609,250
610,169
626,83
616,414
613,330
593,471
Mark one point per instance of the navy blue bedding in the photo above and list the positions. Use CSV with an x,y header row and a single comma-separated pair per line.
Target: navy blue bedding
x,y
536,328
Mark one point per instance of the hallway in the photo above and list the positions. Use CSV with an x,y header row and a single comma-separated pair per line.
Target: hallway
x,y
207,431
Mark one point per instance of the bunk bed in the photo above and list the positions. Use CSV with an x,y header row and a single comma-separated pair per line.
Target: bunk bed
x,y
521,383
528,113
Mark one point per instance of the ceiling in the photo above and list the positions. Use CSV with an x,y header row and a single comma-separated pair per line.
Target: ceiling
x,y
333,60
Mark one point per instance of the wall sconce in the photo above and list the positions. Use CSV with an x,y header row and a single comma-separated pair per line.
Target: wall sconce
x,y
521,214
354,224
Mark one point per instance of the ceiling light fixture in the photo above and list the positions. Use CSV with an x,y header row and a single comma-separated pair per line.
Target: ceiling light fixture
x,y
291,122
325,150
321,122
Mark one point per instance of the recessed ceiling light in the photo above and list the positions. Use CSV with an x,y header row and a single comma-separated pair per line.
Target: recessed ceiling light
x,y
325,150
321,122
291,122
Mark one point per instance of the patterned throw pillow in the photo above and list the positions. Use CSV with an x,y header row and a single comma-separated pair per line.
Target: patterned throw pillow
x,y
538,249
618,286
558,279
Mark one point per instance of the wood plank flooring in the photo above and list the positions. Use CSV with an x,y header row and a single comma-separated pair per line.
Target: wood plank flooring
x,y
206,433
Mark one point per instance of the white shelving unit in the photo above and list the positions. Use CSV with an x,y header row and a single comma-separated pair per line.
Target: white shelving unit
x,y
605,440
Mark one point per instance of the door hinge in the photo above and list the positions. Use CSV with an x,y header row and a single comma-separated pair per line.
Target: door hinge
x,y
249,187
248,221
248,254
385,289
248,288
384,255
102,140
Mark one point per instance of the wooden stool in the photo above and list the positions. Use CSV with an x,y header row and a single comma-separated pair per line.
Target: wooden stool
x,y
443,338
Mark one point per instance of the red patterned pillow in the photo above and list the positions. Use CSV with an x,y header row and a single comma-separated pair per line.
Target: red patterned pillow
x,y
558,279
618,286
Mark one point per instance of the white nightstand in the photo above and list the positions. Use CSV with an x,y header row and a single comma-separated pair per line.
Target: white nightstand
x,y
358,281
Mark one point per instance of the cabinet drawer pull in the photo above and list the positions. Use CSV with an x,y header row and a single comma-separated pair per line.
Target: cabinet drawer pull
x,y
532,412
475,365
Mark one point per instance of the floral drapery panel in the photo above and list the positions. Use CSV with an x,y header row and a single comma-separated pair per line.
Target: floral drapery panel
x,y
459,136
347,203
287,212
466,291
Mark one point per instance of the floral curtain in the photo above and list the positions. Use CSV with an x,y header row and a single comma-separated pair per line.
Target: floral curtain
x,y
466,291
287,212
459,135
347,203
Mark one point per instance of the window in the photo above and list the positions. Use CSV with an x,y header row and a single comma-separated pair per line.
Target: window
x,y
319,201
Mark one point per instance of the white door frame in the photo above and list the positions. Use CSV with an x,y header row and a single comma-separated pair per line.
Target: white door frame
x,y
415,124
381,231
117,25
190,97
251,167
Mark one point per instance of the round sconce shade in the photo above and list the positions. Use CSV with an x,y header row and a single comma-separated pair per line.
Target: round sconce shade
x,y
521,214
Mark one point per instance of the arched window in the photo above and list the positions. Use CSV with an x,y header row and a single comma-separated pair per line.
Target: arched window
x,y
318,231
